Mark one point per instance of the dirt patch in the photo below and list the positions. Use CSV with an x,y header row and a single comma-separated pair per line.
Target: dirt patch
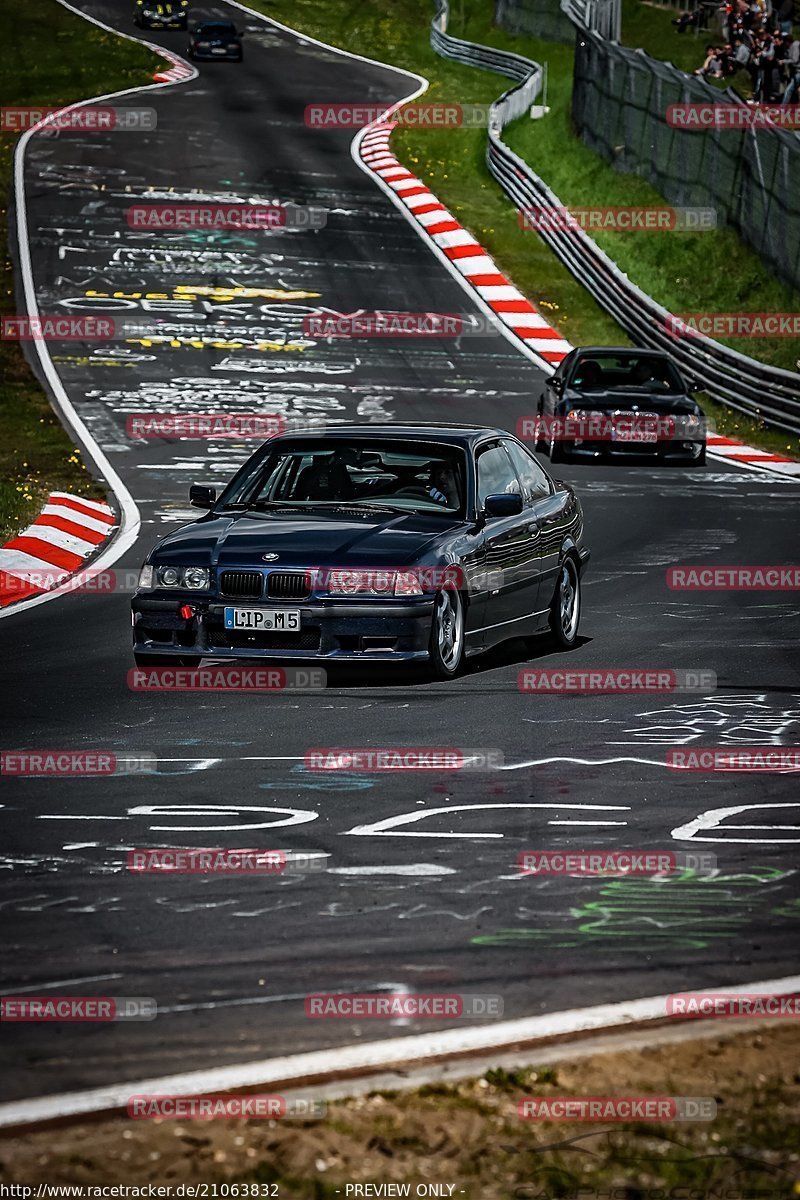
x,y
468,1136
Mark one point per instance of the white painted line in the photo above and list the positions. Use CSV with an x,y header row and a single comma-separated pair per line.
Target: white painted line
x,y
321,1065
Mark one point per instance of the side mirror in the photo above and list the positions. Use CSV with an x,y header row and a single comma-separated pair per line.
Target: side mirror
x,y
693,385
557,383
201,496
240,33
507,504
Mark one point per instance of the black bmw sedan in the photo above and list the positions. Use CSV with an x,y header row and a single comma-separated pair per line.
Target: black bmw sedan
x,y
210,40
604,401
381,542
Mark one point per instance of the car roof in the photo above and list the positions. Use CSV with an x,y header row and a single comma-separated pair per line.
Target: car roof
x,y
454,435
620,350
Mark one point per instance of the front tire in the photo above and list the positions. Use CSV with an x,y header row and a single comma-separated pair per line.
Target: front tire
x,y
565,607
446,645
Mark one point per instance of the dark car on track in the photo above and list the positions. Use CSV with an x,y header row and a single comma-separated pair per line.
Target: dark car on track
x,y
164,14
606,401
211,40
389,543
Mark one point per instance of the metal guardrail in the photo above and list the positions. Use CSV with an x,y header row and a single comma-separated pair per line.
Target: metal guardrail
x,y
603,17
728,377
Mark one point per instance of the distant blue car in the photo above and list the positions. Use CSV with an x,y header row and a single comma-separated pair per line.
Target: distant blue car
x,y
216,39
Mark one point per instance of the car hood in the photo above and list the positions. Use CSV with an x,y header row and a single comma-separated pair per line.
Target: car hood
x,y
303,539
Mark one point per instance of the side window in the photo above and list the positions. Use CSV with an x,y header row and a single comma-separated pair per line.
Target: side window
x,y
495,474
535,483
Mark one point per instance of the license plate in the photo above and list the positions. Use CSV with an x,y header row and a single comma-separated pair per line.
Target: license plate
x,y
218,50
635,435
278,620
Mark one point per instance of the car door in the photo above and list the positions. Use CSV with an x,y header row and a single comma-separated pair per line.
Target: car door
x,y
510,547
545,509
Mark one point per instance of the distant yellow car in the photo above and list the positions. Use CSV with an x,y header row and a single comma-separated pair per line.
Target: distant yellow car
x,y
164,14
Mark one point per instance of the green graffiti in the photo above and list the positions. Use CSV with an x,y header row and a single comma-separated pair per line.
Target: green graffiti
x,y
684,911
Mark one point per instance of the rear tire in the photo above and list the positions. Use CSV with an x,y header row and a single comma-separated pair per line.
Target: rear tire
x,y
446,645
565,607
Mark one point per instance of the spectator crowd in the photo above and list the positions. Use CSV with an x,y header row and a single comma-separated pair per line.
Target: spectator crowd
x,y
756,36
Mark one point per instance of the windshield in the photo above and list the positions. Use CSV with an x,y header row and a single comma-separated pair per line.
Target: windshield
x,y
370,475
628,372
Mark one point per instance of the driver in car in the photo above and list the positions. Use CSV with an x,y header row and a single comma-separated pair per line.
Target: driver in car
x,y
442,485
327,479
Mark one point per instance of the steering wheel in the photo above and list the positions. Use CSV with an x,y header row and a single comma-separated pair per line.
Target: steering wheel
x,y
414,490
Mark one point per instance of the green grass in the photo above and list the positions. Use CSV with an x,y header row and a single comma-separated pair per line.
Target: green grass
x,y
685,272
51,58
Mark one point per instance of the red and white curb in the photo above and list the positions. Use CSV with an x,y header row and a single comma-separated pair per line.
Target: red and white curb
x,y
464,252
68,531
730,450
179,70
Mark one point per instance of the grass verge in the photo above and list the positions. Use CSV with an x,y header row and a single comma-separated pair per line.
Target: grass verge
x,y
468,1137
52,58
711,271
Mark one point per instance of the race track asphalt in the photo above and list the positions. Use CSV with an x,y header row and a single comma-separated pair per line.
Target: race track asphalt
x,y
436,905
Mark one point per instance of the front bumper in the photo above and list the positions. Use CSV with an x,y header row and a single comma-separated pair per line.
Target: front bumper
x,y
353,631
232,54
685,449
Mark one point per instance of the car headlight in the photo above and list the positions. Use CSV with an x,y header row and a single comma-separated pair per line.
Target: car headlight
x,y
146,576
691,422
202,45
195,578
361,583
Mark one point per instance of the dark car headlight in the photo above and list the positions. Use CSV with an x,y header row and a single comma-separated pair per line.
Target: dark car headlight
x,y
344,582
196,579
